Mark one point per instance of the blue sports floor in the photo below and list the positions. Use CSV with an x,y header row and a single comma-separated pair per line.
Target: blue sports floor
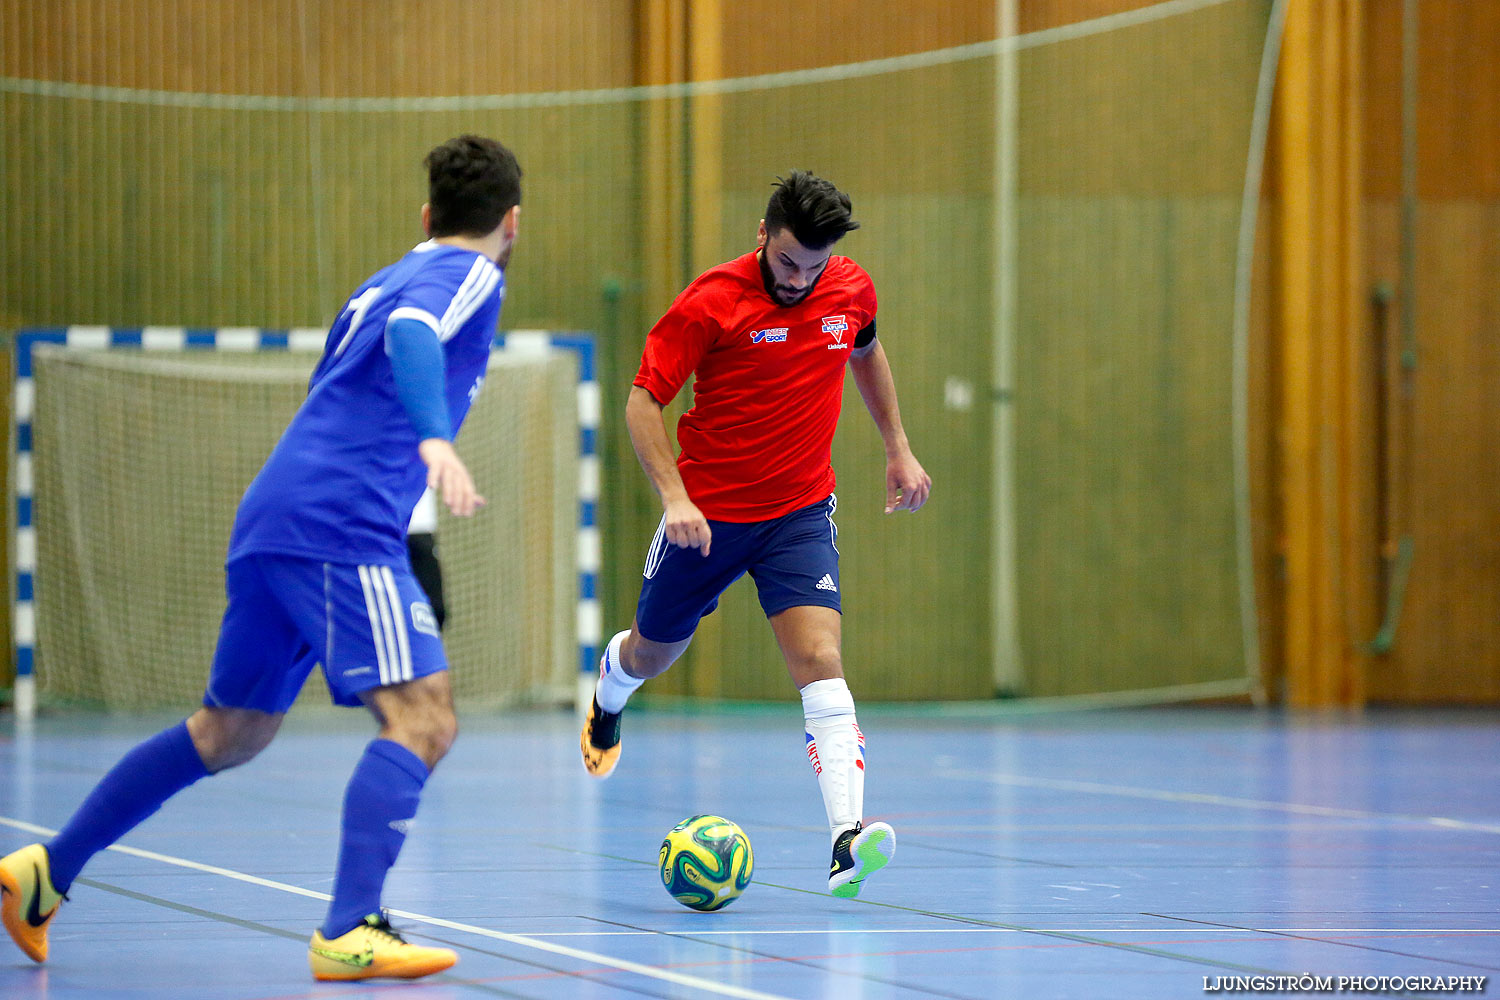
x,y
1142,853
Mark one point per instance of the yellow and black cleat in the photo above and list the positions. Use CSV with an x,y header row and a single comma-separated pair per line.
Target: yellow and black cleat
x,y
28,902
600,740
373,950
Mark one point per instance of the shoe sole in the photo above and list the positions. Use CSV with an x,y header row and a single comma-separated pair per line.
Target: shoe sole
x,y
873,850
395,971
15,925
599,762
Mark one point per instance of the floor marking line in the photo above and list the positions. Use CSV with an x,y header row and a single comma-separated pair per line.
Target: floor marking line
x,y
1207,798
1061,935
806,962
1022,930
1324,940
623,965
450,978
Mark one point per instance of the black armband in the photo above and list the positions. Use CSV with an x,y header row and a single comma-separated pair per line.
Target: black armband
x,y
865,336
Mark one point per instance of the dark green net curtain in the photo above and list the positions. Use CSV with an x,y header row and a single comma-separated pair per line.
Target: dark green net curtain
x,y
1109,158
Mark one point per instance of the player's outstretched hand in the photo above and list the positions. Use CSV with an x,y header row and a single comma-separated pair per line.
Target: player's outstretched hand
x,y
449,477
686,527
907,484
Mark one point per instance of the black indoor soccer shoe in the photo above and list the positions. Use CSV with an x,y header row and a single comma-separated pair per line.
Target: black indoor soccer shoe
x,y
858,854
600,740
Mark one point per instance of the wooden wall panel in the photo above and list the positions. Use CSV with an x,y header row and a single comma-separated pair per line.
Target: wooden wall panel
x,y
1445,446
1447,475
1459,122
1038,15
1459,93
778,35
332,48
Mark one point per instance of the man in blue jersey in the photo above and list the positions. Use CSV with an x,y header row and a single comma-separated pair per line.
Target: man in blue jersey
x,y
317,572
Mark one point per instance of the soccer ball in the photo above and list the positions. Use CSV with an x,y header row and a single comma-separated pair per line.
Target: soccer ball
x,y
706,862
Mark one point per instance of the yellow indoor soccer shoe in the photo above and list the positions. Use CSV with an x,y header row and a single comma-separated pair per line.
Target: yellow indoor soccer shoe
x,y
374,950
600,740
27,900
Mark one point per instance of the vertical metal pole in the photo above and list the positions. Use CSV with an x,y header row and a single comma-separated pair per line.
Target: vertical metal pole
x,y
313,85
1260,123
1009,675
1408,265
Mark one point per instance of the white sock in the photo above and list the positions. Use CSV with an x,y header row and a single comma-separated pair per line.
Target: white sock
x,y
836,749
615,686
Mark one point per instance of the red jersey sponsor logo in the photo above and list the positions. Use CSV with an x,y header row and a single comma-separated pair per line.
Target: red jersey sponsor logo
x,y
836,327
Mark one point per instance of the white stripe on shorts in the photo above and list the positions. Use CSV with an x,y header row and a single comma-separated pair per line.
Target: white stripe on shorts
x,y
379,625
833,529
398,614
658,550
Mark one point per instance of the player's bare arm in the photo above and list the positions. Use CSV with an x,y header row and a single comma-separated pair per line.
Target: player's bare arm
x,y
685,525
449,477
907,484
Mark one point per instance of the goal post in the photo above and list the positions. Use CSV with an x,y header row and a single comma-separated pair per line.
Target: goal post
x,y
134,445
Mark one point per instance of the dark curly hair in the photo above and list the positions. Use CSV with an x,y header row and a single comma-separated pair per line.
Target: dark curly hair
x,y
471,183
817,213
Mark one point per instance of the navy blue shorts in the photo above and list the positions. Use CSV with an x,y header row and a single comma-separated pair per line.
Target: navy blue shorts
x,y
369,626
793,560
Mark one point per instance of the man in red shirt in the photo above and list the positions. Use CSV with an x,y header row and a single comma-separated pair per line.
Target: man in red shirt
x,y
767,335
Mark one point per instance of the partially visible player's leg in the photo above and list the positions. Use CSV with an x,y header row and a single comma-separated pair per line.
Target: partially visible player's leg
x,y
798,582
388,657
629,660
33,880
678,587
242,710
809,638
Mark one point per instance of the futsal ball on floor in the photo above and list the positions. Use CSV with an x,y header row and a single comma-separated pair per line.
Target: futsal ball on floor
x,y
706,862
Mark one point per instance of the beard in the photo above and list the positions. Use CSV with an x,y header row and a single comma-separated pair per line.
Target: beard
x,y
782,295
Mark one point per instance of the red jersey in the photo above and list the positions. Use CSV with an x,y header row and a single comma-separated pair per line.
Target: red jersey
x,y
758,441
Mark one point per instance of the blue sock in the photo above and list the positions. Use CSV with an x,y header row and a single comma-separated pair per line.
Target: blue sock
x,y
379,804
133,789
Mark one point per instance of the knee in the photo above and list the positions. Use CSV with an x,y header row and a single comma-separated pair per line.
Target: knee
x,y
820,662
646,660
430,737
442,735
226,738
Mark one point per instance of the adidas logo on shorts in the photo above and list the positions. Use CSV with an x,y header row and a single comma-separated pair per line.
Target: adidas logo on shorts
x,y
827,583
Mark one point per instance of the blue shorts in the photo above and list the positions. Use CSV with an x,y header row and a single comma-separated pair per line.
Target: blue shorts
x,y
369,626
793,560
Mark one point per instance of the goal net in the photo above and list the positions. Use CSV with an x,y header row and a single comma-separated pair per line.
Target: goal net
x,y
140,458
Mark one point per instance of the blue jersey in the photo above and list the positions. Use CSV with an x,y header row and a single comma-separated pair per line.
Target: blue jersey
x,y
341,483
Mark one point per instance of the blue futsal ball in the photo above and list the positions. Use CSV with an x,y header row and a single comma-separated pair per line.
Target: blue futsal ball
x,y
706,862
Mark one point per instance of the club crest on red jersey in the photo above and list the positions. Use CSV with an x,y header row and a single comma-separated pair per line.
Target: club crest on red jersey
x,y
835,327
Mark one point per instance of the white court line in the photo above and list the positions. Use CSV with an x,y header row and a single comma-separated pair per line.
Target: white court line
x,y
530,940
594,958
1165,929
1127,791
